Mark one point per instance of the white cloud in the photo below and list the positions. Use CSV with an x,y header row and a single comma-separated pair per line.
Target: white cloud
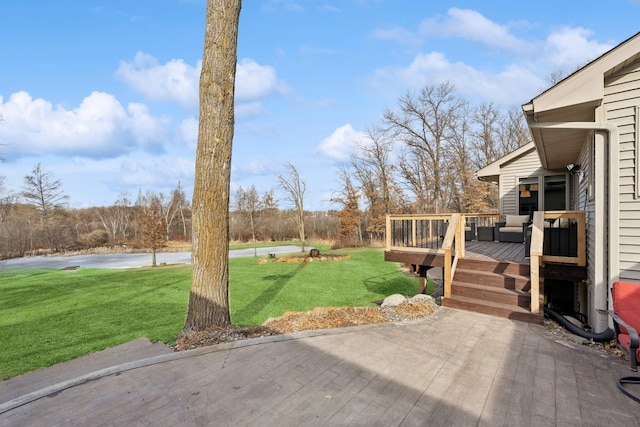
x,y
174,81
472,25
400,35
98,127
255,81
178,82
515,75
245,110
512,85
569,48
188,132
158,172
252,168
339,145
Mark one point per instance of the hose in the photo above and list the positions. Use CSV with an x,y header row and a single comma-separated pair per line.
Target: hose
x,y
603,336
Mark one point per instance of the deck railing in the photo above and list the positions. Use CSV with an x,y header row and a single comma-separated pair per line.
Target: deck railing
x,y
573,221
429,233
425,232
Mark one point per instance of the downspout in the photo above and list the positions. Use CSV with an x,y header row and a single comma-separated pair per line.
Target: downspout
x,y
613,133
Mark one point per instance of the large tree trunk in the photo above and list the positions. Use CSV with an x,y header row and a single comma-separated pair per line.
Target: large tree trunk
x,y
209,298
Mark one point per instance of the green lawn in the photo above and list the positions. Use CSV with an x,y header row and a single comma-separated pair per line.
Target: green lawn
x,y
50,316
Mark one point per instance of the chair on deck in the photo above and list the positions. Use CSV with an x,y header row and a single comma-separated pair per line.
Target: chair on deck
x,y
512,229
470,231
626,318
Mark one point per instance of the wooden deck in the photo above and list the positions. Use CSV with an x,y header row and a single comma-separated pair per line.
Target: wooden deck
x,y
495,251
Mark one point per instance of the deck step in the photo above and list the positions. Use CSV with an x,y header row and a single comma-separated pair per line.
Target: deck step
x,y
492,308
500,267
488,278
491,293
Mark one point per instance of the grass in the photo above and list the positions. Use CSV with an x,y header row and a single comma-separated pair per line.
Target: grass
x,y
50,316
324,247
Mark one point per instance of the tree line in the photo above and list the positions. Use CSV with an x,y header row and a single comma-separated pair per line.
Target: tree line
x,y
420,158
36,219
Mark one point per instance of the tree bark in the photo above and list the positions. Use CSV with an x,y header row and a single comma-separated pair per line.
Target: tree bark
x,y
209,297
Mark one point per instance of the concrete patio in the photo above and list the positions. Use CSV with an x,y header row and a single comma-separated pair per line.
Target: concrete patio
x,y
453,368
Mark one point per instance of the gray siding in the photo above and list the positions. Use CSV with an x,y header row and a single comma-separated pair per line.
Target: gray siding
x,y
524,166
622,97
587,204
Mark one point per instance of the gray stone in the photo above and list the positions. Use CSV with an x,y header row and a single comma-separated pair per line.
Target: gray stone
x,y
423,299
394,300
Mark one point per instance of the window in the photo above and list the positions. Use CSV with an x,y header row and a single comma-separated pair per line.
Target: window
x,y
552,196
528,196
555,193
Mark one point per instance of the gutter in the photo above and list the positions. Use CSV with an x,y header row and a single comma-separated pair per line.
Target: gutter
x,y
613,133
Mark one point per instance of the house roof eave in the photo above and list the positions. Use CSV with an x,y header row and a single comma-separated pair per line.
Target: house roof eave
x,y
491,172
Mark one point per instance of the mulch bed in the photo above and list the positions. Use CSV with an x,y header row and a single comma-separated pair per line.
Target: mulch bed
x,y
339,317
318,318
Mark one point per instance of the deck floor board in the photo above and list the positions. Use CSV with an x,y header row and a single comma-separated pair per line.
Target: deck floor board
x,y
496,251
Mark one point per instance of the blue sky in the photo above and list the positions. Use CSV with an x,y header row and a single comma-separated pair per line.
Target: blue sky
x,y
104,94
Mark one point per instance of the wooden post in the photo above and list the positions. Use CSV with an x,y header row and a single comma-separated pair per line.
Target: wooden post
x,y
389,232
537,240
413,233
447,273
535,284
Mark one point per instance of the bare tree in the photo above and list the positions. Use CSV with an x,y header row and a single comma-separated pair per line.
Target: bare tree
x,y
294,189
513,132
46,195
7,200
249,204
179,200
209,296
416,176
115,218
376,174
424,122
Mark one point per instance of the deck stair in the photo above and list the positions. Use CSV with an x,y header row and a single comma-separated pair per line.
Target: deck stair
x,y
498,288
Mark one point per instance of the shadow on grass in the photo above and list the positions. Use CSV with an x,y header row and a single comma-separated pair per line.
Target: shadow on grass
x,y
390,283
253,308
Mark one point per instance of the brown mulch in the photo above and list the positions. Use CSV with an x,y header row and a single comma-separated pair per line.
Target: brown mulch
x,y
557,331
318,318
338,317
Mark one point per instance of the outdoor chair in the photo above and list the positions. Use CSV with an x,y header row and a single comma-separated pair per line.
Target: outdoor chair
x,y
626,319
512,229
470,231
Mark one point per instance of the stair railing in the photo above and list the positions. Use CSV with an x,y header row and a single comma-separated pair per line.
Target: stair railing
x,y
453,244
535,259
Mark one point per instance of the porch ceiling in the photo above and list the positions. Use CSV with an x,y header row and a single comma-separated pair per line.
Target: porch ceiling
x,y
559,147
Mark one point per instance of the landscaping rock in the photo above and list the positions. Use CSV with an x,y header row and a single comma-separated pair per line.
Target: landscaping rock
x,y
424,299
394,300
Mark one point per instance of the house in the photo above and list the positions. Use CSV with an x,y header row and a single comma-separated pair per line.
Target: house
x,y
583,166
592,119
524,186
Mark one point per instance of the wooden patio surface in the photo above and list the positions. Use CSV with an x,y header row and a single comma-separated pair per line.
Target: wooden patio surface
x,y
454,368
